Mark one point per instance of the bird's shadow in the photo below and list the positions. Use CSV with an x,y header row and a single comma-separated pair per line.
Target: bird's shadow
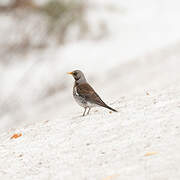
x,y
76,117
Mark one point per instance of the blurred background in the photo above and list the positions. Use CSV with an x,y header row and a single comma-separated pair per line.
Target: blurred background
x,y
122,46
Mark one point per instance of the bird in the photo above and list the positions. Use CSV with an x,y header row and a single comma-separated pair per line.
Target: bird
x,y
84,94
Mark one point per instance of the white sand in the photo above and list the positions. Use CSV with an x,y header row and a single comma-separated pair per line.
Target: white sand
x,y
107,145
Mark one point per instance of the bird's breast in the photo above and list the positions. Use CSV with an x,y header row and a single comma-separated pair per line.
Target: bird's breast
x,y
75,93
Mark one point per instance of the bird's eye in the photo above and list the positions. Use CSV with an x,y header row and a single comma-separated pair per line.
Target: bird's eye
x,y
75,73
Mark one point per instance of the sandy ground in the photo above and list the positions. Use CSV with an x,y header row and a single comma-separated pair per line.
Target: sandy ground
x,y
140,142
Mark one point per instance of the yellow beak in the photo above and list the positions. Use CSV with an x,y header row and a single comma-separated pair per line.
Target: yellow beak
x,y
70,73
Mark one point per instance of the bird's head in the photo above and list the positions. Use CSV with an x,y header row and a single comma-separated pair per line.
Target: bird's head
x,y
78,76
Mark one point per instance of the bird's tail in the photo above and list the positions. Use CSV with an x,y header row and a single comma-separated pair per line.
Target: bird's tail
x,y
108,107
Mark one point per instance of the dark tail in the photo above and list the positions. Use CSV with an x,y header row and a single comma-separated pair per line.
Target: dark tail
x,y
108,107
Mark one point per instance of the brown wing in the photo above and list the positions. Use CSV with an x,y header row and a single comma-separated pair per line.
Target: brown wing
x,y
87,92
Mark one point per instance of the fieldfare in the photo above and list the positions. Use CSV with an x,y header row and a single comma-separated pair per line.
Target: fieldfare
x,y
84,94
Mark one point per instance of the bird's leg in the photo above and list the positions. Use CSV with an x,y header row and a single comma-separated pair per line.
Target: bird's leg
x,y
88,110
84,111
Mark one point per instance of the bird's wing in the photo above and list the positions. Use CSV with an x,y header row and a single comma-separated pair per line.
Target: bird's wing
x,y
87,92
